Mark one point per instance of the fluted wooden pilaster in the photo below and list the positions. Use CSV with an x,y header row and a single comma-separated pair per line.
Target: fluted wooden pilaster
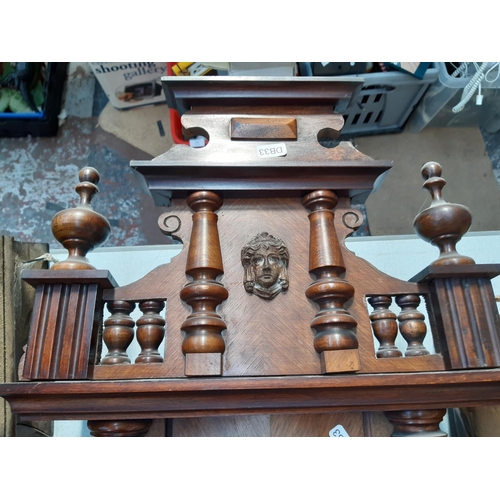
x,y
62,331
65,323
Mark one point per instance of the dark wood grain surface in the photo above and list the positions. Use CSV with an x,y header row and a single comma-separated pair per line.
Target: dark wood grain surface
x,y
183,93
144,399
236,166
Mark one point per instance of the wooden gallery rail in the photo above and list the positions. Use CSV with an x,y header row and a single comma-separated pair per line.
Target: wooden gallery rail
x,y
267,311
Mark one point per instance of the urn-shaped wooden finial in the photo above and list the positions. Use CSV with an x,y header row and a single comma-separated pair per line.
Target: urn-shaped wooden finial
x,y
80,229
442,224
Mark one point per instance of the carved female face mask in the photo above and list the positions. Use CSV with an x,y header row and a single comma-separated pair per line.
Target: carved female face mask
x,y
265,260
267,266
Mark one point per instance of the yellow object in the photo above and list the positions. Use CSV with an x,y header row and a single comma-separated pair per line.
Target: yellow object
x,y
181,68
190,69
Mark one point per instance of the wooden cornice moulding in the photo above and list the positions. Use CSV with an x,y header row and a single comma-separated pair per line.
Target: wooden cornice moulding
x,y
211,107
143,399
184,93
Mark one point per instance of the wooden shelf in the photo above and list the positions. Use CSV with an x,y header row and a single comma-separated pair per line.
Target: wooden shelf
x,y
96,400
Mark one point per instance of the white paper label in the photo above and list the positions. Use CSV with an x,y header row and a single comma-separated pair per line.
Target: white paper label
x,y
197,142
271,150
338,432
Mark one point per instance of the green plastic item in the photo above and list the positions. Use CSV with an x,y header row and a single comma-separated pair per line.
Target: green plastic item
x,y
18,105
5,95
37,94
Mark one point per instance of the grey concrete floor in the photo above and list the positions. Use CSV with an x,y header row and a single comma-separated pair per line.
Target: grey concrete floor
x,y
466,159
39,176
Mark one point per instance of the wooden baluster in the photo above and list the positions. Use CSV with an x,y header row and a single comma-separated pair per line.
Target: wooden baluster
x,y
335,339
412,325
150,331
203,344
118,332
119,428
416,423
385,326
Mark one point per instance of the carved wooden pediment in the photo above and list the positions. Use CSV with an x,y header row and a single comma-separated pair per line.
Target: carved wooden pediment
x,y
266,308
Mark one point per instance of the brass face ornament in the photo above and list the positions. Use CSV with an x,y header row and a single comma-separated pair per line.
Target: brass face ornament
x,y
265,261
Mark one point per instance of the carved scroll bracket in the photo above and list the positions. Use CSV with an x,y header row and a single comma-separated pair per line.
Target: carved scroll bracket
x,y
170,225
177,222
334,327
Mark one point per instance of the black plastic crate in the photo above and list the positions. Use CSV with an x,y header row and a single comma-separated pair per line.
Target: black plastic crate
x,y
46,122
385,102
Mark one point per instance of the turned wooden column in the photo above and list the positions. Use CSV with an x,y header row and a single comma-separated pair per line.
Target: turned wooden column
x,y
119,428
334,340
203,344
416,423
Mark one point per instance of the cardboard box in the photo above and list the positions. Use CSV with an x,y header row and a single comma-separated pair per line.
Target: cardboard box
x,y
416,69
262,69
131,84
